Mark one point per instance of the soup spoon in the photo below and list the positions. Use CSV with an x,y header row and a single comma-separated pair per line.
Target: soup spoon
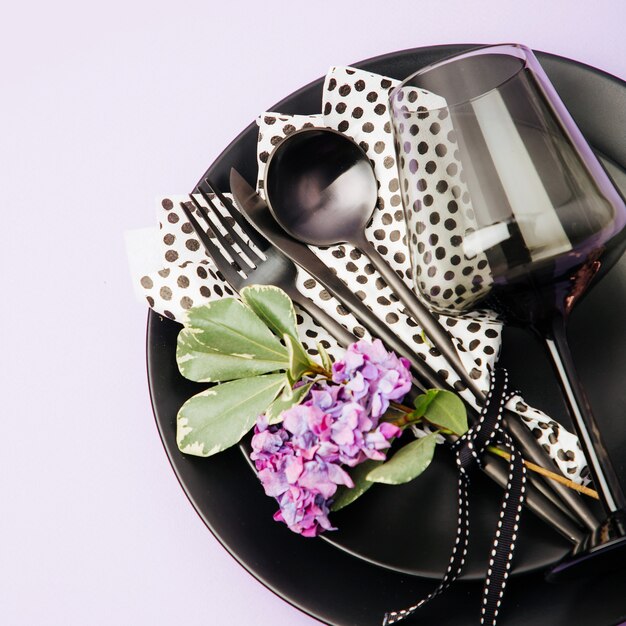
x,y
321,188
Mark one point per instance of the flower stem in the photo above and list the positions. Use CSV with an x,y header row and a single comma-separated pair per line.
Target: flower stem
x,y
544,472
319,370
401,407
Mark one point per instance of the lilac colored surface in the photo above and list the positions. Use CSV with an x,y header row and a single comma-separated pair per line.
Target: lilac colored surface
x,y
104,108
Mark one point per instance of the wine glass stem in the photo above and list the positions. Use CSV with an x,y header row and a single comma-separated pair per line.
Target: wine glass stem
x,y
604,476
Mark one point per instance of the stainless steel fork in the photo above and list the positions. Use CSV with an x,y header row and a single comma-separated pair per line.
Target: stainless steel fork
x,y
247,267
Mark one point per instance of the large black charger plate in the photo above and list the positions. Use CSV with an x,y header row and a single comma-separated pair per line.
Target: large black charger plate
x,y
409,529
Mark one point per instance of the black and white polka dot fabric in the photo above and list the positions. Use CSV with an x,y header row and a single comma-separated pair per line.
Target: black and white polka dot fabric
x,y
189,278
354,102
438,209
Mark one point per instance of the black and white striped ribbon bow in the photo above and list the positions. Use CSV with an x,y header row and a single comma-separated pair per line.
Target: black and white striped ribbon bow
x,y
469,450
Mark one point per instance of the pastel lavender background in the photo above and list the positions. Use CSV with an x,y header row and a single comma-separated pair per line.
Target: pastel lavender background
x,y
105,106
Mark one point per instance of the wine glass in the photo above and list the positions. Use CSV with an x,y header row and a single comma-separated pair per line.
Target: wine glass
x,y
508,208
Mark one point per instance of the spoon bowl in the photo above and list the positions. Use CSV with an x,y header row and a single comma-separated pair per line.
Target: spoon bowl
x,y
321,187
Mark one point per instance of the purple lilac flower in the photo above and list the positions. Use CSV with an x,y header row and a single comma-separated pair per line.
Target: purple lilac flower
x,y
373,376
296,467
300,462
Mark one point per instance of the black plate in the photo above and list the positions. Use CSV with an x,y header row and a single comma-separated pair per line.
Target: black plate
x,y
410,528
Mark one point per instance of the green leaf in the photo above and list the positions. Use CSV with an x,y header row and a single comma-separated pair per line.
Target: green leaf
x,y
219,417
327,363
407,463
346,495
447,410
273,306
196,361
230,327
288,398
422,402
299,361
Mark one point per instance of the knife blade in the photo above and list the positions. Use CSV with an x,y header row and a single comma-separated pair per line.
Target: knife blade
x,y
256,211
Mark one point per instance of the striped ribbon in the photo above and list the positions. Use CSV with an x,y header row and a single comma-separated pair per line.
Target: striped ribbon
x,y
469,450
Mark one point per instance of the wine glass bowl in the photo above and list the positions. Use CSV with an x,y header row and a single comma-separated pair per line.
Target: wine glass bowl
x,y
503,196
508,208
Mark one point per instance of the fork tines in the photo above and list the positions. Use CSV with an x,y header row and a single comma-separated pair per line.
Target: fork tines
x,y
224,241
255,237
225,266
234,236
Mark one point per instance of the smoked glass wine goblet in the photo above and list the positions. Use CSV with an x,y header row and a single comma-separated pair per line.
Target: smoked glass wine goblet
x,y
508,208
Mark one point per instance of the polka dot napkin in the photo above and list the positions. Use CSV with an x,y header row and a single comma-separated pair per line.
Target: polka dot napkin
x,y
355,103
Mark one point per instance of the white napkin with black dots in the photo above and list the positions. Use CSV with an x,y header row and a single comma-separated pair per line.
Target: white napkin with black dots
x,y
354,102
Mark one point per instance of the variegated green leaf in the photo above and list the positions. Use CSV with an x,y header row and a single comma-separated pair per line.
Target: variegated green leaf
x,y
299,361
327,363
288,398
230,327
196,361
273,307
407,463
219,417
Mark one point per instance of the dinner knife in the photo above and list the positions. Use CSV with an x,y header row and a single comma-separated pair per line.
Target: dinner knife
x,y
255,209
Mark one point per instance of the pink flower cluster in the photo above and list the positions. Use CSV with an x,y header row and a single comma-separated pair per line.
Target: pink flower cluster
x,y
373,375
301,461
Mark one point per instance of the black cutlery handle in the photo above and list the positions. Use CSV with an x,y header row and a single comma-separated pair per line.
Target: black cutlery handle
x,y
438,335
537,502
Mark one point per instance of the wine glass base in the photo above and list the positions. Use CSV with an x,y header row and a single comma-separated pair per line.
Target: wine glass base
x,y
600,551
